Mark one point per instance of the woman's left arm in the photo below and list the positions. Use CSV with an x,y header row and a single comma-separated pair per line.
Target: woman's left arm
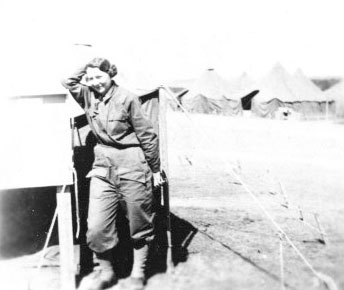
x,y
147,137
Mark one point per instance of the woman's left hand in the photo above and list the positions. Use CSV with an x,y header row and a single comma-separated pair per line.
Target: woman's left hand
x,y
157,179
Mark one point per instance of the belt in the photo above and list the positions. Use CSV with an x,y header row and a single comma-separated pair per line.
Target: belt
x,y
117,146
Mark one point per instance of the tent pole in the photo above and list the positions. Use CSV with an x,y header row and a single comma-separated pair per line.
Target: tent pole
x,y
165,169
326,107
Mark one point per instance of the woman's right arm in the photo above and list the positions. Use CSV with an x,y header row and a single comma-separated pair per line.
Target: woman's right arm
x,y
74,85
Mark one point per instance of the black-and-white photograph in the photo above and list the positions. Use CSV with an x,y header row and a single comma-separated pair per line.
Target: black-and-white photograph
x,y
172,145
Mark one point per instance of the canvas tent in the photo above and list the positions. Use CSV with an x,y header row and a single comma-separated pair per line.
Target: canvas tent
x,y
313,102
36,152
336,93
274,92
279,89
174,98
142,85
242,88
211,94
177,89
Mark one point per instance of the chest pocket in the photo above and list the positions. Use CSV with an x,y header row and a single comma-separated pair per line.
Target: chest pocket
x,y
118,123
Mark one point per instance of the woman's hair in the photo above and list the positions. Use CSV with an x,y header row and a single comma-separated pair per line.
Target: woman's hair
x,y
104,65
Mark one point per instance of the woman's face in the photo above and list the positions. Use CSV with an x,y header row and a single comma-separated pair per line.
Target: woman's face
x,y
98,80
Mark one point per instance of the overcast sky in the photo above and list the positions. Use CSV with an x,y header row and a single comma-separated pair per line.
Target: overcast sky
x,y
178,39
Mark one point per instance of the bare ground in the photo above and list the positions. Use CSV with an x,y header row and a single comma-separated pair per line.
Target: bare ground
x,y
236,246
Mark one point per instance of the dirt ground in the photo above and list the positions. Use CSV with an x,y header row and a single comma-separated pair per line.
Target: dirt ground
x,y
222,238
236,246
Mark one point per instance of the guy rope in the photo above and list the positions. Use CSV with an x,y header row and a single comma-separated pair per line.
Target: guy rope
x,y
328,281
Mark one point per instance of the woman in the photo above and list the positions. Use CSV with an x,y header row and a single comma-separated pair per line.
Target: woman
x,y
126,157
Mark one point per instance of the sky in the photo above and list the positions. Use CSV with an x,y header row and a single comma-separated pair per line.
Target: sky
x,y
166,40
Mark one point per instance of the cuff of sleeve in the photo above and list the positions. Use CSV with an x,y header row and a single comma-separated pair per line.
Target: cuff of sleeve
x,y
156,168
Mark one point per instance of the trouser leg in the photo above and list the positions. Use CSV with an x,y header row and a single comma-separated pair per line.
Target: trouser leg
x,y
138,199
102,233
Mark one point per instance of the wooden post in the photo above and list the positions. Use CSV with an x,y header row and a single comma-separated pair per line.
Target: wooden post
x,y
164,166
67,265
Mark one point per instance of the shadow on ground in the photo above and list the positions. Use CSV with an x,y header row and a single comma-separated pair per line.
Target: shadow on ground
x,y
183,233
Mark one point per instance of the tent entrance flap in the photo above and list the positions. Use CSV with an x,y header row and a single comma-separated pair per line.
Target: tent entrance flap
x,y
246,101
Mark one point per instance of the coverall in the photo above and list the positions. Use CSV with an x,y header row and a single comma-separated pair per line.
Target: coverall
x,y
126,154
